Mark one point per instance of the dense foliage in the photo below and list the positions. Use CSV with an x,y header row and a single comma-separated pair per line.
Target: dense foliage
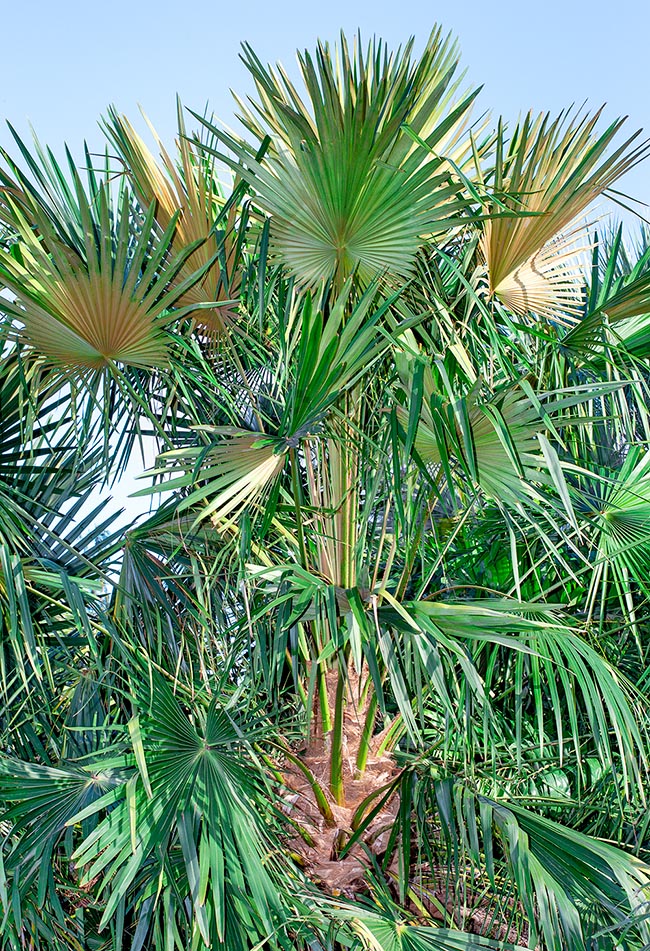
x,y
371,674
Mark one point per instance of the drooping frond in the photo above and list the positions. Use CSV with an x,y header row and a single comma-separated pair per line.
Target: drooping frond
x,y
498,444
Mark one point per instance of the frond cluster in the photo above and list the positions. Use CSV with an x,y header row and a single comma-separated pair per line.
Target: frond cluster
x,y
371,673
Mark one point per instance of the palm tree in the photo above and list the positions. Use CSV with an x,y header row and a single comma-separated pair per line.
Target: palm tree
x,y
372,675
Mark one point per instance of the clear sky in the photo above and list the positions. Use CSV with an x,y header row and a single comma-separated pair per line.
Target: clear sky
x,y
64,61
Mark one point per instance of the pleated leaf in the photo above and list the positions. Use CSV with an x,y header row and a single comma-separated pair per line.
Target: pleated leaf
x,y
231,473
347,187
106,302
195,811
623,520
187,190
548,174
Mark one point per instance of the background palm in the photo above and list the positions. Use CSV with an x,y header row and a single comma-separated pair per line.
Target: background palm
x,y
373,674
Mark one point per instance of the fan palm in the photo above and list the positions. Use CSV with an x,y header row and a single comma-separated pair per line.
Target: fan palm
x,y
353,179
347,687
191,197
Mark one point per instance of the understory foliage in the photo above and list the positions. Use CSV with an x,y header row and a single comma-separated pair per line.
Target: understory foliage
x,y
371,674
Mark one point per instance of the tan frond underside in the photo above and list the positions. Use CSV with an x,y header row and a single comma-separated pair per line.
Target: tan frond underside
x,y
549,284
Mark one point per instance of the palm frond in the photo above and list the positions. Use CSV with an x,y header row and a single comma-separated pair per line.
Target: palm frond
x,y
347,188
499,444
571,887
619,303
196,797
548,175
621,513
104,306
551,660
330,355
380,933
188,192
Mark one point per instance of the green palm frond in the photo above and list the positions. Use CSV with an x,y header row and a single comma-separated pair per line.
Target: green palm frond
x,y
47,797
573,685
570,886
621,513
58,544
329,355
619,302
499,444
380,933
347,187
496,443
196,797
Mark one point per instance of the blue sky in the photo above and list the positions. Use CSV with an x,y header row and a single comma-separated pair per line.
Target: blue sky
x,y
64,62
